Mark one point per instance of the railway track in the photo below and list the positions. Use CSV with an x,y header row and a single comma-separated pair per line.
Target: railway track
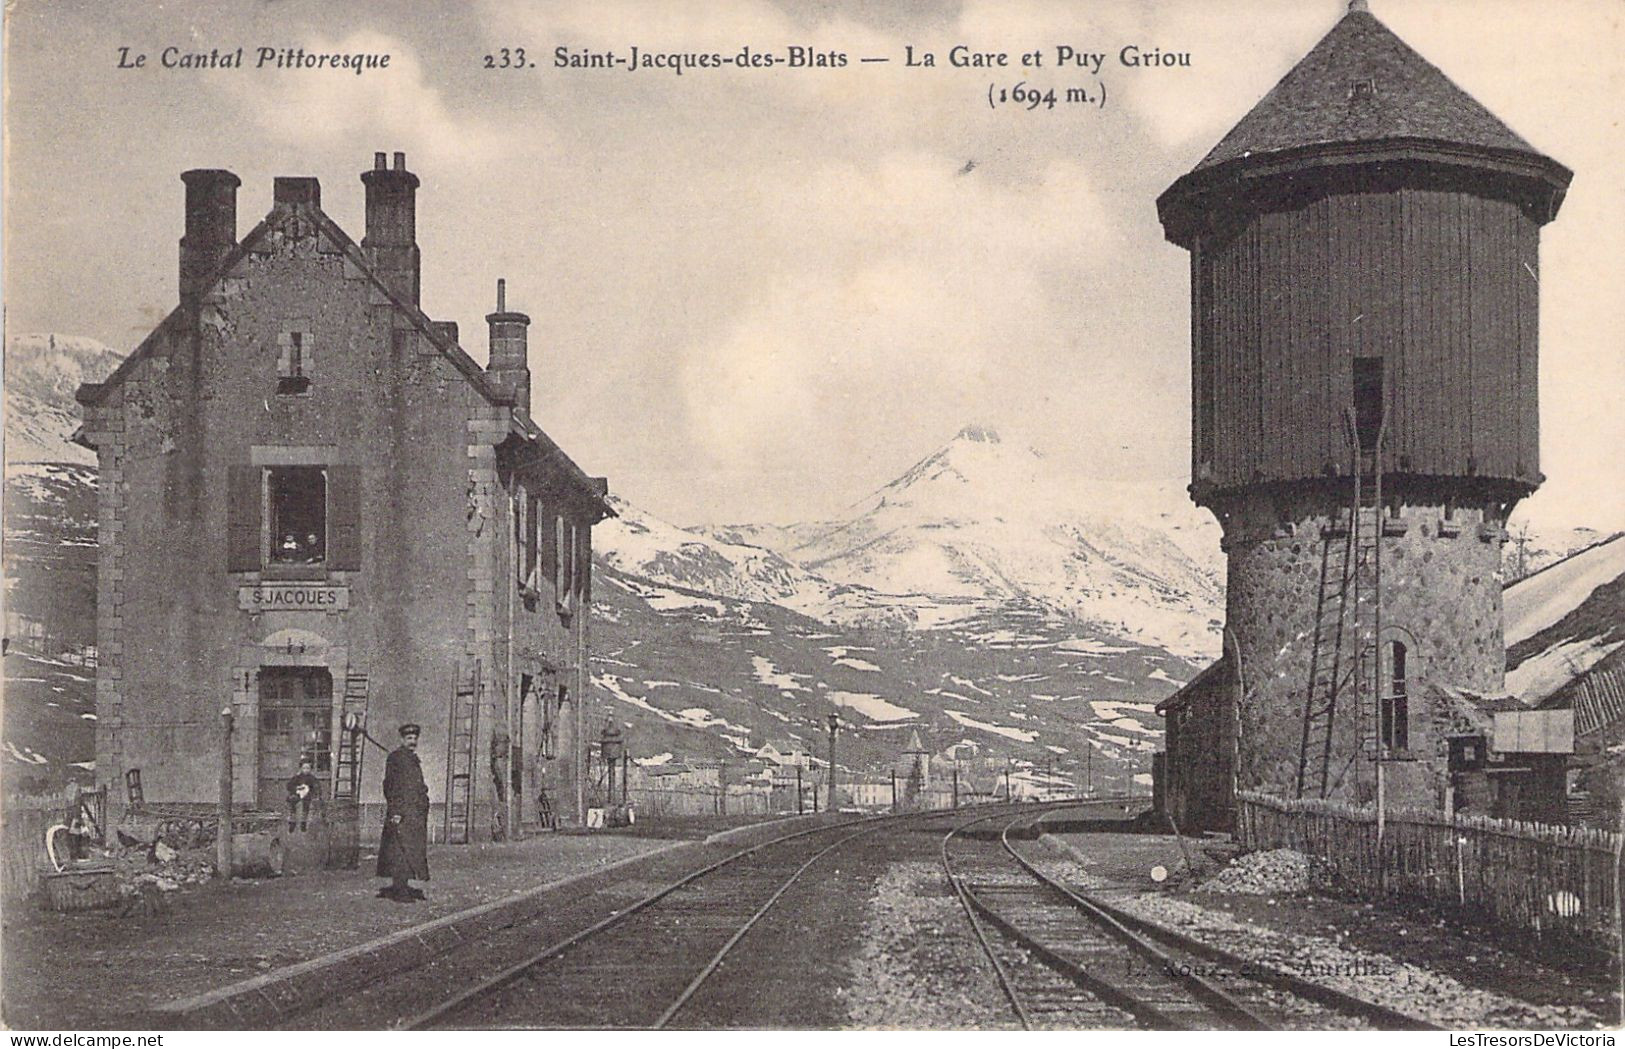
x,y
1064,959
640,967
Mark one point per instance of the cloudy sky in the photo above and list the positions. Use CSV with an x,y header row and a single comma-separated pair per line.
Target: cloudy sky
x,y
759,294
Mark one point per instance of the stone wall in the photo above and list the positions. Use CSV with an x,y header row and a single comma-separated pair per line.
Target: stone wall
x,y
1441,598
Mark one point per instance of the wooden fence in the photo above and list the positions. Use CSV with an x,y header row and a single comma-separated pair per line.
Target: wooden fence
x,y
699,801
24,819
1558,881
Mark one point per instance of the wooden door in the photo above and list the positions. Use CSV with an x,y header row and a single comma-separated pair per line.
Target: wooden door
x,y
296,720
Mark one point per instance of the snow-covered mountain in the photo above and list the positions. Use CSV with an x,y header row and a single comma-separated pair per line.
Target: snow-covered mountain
x,y
982,523
639,544
41,374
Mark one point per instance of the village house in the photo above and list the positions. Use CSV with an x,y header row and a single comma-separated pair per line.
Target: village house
x,y
317,511
786,752
1365,418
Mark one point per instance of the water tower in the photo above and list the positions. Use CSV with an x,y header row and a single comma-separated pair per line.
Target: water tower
x,y
1364,299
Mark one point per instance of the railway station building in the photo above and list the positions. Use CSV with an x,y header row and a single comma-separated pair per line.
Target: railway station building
x,y
318,512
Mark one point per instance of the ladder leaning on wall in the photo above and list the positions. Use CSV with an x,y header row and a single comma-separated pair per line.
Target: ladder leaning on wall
x,y
465,715
1349,584
352,744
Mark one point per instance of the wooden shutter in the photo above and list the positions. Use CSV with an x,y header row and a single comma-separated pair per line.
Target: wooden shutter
x,y
243,497
560,561
575,559
532,530
344,518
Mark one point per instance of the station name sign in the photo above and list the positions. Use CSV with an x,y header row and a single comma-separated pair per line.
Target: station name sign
x,y
293,597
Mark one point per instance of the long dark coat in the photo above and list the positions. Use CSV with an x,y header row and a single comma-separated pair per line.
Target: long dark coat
x,y
404,850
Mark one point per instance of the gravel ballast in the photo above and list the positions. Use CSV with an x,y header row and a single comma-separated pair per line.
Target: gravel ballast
x,y
1273,873
920,966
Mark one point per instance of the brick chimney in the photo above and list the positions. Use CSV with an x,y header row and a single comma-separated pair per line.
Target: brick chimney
x,y
509,365
211,226
296,190
391,238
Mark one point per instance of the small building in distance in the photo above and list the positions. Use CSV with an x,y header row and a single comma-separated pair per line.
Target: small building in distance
x,y
314,505
1566,671
1364,316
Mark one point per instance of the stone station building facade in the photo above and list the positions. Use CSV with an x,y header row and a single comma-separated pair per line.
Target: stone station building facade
x,y
313,503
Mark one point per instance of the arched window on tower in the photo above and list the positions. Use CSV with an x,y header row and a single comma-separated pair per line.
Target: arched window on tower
x,y
1395,709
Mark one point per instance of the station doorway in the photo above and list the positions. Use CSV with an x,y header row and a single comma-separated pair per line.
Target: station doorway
x,y
296,720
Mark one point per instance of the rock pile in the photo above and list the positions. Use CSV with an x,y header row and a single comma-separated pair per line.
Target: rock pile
x,y
168,869
1276,872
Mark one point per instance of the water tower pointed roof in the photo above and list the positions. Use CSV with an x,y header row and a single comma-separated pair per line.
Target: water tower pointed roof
x,y
1361,105
1362,83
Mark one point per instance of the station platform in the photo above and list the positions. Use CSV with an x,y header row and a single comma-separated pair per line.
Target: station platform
x,y
219,953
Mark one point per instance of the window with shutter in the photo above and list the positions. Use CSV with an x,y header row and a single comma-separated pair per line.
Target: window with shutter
x,y
296,499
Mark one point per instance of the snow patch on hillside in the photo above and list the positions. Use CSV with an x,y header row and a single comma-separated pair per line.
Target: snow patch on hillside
x,y
998,730
872,707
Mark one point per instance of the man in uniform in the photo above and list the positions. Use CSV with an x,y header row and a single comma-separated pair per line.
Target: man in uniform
x,y
403,853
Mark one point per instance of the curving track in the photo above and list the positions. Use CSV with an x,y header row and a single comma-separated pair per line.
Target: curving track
x,y
1064,959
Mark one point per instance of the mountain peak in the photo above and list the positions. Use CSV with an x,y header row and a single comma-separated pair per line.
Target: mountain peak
x,y
978,434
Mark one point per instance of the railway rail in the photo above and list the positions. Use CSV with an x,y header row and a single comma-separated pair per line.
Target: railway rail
x,y
667,944
1066,959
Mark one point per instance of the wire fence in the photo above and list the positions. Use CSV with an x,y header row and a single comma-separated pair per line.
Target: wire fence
x,y
1554,881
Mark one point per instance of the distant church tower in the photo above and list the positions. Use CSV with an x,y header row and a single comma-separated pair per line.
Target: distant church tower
x,y
1364,294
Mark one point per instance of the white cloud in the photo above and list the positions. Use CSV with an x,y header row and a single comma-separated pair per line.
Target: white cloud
x,y
399,105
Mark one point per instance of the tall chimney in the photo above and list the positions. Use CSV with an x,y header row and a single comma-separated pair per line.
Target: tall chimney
x,y
211,226
392,226
509,365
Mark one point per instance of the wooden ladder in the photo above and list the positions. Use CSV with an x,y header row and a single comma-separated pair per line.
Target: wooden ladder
x,y
1368,597
1350,587
352,744
465,716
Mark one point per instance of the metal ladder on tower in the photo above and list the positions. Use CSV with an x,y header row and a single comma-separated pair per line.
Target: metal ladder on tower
x,y
465,716
1351,584
352,743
